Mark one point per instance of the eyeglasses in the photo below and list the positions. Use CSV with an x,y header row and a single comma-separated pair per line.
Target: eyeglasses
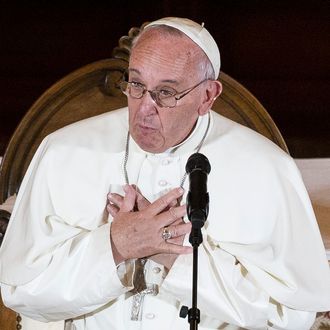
x,y
164,97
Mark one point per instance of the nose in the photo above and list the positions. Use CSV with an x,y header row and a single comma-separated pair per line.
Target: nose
x,y
153,96
148,103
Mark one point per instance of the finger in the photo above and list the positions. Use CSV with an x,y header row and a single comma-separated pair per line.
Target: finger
x,y
179,230
171,216
129,199
173,203
178,221
177,233
163,202
112,209
141,201
116,199
175,249
176,240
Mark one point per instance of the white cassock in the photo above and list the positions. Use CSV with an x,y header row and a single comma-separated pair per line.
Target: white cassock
x,y
262,262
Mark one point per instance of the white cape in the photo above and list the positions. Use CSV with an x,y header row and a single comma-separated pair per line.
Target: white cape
x,y
260,217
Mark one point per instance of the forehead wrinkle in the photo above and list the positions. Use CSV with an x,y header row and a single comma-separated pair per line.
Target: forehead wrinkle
x,y
160,58
148,52
170,81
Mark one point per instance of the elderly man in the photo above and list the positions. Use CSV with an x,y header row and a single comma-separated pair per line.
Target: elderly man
x,y
123,261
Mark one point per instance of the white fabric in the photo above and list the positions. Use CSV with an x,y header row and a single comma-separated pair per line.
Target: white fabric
x,y
198,34
260,243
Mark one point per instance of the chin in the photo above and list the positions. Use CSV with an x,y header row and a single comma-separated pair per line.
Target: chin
x,y
149,143
151,148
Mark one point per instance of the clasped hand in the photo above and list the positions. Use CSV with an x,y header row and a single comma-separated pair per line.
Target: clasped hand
x,y
137,226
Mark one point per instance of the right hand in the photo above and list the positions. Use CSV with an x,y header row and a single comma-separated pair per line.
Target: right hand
x,y
137,234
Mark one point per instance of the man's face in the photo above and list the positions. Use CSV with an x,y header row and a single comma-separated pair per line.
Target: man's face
x,y
157,61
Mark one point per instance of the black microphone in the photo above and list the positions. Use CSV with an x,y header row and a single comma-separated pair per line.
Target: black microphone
x,y
198,167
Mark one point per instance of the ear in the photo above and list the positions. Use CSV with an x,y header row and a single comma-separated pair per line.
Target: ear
x,y
210,94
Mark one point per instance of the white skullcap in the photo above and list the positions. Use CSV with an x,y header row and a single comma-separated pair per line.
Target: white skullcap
x,y
198,34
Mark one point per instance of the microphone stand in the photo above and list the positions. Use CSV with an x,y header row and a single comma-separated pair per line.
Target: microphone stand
x,y
195,240
198,167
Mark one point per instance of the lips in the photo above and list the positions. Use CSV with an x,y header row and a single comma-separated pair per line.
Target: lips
x,y
146,128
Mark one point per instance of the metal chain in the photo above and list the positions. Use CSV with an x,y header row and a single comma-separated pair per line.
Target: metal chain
x,y
126,158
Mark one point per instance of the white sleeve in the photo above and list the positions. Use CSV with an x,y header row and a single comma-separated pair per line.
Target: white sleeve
x,y
80,277
56,259
227,292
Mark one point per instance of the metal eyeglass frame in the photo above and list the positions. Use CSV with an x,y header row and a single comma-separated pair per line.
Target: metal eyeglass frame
x,y
155,93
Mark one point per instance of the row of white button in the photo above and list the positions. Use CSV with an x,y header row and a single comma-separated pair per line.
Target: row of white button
x,y
165,162
150,316
156,270
162,183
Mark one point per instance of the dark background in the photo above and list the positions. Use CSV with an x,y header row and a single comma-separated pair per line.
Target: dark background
x,y
279,50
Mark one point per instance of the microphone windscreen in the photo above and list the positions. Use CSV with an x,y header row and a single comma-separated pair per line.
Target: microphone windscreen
x,y
198,161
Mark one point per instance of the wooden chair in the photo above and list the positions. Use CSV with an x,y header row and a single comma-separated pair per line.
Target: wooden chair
x,y
92,90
